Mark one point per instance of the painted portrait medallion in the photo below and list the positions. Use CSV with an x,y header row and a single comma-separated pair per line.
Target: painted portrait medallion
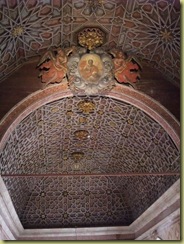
x,y
91,68
90,73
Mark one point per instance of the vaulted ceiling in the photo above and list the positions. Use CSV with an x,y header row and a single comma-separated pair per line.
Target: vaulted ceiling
x,y
63,166
68,167
148,29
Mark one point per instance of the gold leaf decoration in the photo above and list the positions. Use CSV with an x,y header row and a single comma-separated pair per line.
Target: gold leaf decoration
x,y
86,107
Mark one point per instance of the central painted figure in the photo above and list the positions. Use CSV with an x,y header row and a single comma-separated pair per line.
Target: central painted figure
x,y
91,68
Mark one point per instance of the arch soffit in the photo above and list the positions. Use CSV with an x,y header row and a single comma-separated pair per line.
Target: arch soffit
x,y
122,93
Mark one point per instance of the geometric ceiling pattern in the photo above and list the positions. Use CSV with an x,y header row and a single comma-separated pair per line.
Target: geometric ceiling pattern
x,y
148,29
84,201
120,138
71,165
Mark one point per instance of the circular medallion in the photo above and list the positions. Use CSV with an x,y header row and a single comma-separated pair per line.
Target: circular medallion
x,y
91,68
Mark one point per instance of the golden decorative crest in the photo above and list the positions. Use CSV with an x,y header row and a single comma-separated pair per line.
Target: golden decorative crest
x,y
86,107
81,134
91,38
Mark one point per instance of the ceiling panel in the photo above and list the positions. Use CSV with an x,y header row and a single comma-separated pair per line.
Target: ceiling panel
x,y
84,201
87,161
147,29
113,137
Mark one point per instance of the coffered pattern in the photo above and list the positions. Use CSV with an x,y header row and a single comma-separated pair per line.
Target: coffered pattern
x,y
147,29
122,148
71,160
122,139
84,201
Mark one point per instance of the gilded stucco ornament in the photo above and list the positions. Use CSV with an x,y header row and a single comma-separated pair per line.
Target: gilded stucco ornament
x,y
91,38
81,134
77,156
17,31
77,164
86,107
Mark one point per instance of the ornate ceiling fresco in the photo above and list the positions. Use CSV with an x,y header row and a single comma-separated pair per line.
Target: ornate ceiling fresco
x,y
75,162
149,29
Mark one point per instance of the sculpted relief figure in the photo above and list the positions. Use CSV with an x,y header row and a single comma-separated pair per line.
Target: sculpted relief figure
x,y
53,65
126,70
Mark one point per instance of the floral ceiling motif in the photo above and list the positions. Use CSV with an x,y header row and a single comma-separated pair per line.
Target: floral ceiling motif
x,y
148,29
